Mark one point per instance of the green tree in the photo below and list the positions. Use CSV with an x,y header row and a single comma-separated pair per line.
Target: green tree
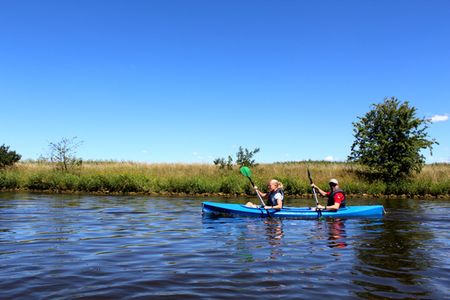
x,y
224,163
7,157
389,140
244,157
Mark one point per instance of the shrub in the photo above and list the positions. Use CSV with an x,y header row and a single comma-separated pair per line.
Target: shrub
x,y
39,182
9,181
7,157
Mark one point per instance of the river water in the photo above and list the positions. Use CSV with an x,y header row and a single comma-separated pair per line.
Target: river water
x,y
116,247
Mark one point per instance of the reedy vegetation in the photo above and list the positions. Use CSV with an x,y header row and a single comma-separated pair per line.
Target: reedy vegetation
x,y
193,179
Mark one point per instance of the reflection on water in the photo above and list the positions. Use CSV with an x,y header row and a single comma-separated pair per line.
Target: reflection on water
x,y
394,252
336,233
254,236
274,234
63,247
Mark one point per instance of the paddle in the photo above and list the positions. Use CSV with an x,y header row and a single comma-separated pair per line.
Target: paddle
x,y
319,211
247,173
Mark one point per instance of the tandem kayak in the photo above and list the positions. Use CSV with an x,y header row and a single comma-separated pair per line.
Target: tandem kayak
x,y
214,208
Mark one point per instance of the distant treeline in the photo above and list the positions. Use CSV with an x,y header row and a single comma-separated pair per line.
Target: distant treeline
x,y
106,177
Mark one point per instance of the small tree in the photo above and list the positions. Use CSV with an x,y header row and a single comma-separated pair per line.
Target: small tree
x,y
389,139
63,153
244,157
7,157
224,164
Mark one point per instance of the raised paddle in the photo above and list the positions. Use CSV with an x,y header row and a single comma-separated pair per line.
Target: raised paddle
x,y
319,211
247,173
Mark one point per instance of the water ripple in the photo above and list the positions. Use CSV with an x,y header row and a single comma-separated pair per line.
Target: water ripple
x,y
84,247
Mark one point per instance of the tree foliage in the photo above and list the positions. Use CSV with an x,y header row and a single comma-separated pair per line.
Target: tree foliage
x,y
244,157
389,140
7,157
63,153
222,163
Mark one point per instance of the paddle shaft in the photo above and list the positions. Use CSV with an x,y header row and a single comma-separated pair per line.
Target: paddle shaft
x,y
314,190
257,193
319,212
315,196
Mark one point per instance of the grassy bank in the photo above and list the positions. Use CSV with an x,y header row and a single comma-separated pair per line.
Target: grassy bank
x,y
194,179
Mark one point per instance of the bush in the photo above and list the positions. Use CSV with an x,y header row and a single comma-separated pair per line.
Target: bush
x,y
38,182
231,185
66,182
92,183
9,181
8,158
125,183
293,186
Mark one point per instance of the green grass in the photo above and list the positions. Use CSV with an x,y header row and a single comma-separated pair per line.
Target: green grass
x,y
195,179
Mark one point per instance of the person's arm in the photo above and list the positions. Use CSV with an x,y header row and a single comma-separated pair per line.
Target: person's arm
x,y
279,205
321,192
338,198
335,206
263,195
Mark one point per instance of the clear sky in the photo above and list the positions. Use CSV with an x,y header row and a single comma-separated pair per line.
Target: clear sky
x,y
192,80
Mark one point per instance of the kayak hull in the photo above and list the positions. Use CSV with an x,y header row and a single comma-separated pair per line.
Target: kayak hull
x,y
214,208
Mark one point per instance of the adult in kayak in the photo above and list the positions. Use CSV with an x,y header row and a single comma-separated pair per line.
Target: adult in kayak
x,y
336,196
274,195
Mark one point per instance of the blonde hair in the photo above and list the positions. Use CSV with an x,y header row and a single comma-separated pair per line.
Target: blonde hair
x,y
278,183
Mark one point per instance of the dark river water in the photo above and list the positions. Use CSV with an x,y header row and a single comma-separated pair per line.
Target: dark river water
x,y
128,247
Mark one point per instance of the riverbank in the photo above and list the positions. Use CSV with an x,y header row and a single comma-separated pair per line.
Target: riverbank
x,y
208,180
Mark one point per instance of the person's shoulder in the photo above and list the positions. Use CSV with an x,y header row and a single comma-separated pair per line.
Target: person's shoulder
x,y
340,192
339,196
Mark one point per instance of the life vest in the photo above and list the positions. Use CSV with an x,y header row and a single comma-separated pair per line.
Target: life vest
x,y
331,198
272,201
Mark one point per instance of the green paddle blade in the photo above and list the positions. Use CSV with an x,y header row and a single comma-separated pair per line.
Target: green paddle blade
x,y
245,171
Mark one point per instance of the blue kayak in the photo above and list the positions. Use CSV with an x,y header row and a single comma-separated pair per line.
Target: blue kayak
x,y
215,208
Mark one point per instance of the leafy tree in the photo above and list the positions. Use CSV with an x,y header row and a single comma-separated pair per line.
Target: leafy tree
x,y
63,154
244,157
389,139
7,157
224,164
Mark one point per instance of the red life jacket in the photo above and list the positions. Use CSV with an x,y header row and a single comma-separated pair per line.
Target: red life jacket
x,y
331,198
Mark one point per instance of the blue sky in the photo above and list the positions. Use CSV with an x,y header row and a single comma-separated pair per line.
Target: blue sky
x,y
190,81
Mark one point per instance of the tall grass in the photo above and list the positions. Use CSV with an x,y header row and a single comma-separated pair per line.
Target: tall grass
x,y
129,177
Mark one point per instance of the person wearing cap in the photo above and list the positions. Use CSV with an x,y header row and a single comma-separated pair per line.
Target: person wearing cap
x,y
336,196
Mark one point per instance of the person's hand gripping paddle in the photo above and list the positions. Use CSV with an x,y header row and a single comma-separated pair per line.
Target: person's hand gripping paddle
x,y
247,173
319,211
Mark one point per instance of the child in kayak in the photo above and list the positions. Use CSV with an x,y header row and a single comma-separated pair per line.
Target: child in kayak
x,y
275,195
336,196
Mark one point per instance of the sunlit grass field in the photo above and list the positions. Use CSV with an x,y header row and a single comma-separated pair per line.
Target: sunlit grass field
x,y
206,179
